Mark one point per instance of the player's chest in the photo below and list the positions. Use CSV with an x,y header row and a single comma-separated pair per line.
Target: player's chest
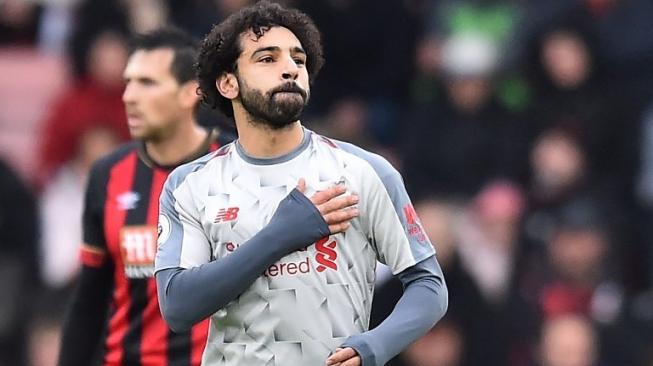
x,y
245,198
130,225
237,215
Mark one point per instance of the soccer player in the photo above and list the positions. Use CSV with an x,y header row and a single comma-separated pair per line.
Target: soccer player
x,y
287,280
121,210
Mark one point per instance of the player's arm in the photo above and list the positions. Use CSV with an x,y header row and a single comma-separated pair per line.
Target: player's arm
x,y
422,304
87,315
401,243
297,223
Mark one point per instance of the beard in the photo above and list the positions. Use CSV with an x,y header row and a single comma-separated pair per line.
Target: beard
x,y
274,109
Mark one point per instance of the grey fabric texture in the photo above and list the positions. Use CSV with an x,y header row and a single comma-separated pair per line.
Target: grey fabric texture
x,y
186,296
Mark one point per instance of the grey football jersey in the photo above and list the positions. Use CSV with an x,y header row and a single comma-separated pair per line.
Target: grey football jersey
x,y
305,305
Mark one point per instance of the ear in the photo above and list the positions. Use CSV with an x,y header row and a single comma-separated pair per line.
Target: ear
x,y
227,85
188,96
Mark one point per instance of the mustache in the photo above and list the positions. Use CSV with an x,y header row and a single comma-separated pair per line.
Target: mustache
x,y
289,88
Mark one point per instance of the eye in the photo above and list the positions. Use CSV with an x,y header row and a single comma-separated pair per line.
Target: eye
x,y
266,59
300,61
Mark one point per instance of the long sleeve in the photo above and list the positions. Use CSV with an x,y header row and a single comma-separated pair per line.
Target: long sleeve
x,y
87,316
422,304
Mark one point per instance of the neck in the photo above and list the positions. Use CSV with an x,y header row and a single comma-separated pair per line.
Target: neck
x,y
261,141
178,146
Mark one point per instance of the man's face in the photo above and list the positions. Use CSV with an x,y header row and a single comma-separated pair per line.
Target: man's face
x,y
272,77
152,95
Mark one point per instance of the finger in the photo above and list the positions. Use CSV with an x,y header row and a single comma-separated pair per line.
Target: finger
x,y
340,216
301,185
337,203
341,356
354,361
323,196
337,363
339,228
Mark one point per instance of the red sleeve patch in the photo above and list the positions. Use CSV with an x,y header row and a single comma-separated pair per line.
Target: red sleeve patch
x,y
92,257
411,215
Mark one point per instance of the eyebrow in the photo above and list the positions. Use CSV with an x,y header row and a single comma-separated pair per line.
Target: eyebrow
x,y
277,49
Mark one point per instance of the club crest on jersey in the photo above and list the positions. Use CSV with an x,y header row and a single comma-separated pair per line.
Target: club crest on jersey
x,y
138,249
226,214
128,200
326,254
163,229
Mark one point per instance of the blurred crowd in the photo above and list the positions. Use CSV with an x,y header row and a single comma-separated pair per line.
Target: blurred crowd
x,y
523,130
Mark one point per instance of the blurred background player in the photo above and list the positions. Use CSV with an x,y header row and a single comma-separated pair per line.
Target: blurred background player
x,y
18,271
121,210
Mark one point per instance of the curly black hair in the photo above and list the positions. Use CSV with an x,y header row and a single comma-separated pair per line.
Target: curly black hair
x,y
221,47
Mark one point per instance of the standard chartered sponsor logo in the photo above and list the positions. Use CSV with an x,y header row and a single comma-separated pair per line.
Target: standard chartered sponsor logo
x,y
325,257
288,268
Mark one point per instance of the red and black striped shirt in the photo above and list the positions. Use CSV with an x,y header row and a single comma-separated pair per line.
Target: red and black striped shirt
x,y
120,231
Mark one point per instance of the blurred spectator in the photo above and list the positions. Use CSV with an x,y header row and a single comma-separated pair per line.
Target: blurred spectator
x,y
569,341
559,173
356,36
488,239
30,80
60,212
488,235
442,346
95,101
583,278
571,93
19,21
470,315
55,26
424,87
644,189
494,18
623,28
93,17
645,179
18,271
467,138
146,15
497,20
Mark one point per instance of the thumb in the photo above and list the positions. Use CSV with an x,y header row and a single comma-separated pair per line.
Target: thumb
x,y
301,185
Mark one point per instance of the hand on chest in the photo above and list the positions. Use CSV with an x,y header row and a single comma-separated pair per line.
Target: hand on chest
x,y
239,213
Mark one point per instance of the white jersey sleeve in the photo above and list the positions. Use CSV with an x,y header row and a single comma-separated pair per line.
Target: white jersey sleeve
x,y
182,242
388,214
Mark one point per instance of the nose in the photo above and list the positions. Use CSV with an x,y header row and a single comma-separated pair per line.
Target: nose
x,y
128,95
290,70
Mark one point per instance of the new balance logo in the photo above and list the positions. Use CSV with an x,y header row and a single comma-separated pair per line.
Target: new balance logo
x,y
326,255
226,214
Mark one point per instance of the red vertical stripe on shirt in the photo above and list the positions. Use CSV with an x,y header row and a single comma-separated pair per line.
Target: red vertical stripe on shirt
x,y
120,182
154,342
199,334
